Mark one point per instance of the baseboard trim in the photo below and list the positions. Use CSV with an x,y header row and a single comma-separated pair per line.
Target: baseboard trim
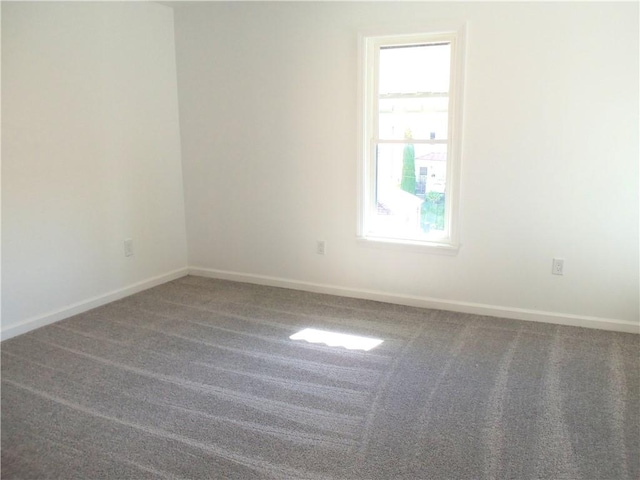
x,y
79,307
426,302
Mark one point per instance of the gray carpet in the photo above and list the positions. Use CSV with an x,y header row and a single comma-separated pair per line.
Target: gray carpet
x,y
198,379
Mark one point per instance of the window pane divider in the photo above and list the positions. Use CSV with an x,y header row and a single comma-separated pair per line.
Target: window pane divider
x,y
395,96
414,141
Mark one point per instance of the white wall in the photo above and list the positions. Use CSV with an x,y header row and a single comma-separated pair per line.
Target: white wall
x,y
90,156
550,166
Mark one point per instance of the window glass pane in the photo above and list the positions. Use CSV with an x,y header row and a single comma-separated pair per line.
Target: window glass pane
x,y
414,69
410,190
425,118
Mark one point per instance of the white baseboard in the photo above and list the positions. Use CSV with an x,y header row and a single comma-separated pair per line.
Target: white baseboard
x,y
427,302
79,307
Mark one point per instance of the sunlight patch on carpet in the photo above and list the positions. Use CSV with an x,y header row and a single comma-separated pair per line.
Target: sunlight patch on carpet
x,y
335,339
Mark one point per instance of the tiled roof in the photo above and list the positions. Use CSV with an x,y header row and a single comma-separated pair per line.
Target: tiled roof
x,y
433,156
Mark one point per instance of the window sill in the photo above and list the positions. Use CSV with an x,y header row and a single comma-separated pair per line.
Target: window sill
x,y
438,248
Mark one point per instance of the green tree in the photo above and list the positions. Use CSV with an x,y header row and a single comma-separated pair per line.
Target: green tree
x,y
408,182
433,212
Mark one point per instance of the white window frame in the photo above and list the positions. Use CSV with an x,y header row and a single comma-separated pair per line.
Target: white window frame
x,y
369,43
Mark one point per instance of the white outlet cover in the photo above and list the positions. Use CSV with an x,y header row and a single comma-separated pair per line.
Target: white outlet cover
x,y
128,247
557,267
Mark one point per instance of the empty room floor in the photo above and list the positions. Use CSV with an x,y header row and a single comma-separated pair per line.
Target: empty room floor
x,y
198,379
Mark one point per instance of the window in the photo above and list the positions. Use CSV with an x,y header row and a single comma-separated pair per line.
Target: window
x,y
411,93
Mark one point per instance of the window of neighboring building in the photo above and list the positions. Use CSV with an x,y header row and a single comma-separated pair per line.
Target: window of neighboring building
x,y
411,137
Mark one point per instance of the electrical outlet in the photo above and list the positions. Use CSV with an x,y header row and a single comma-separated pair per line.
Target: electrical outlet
x,y
128,247
321,247
557,268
